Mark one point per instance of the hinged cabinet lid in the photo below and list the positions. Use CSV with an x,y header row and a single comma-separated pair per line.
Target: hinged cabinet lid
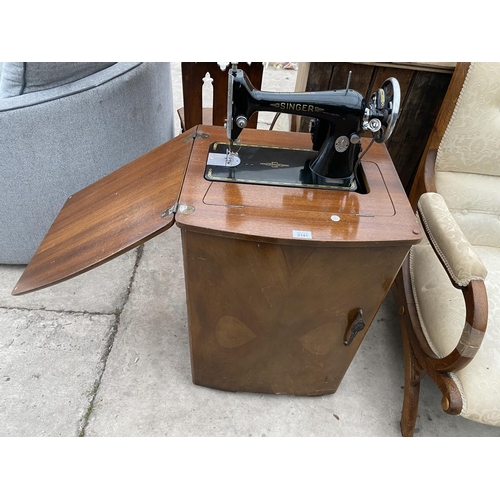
x,y
111,216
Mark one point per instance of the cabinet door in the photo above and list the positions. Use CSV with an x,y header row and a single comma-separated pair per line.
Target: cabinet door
x,y
276,318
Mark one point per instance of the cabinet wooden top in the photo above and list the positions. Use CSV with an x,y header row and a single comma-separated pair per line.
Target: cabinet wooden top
x,y
330,217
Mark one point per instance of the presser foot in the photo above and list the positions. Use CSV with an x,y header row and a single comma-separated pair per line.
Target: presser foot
x,y
227,159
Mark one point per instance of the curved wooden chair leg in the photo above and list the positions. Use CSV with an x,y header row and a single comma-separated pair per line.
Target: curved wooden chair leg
x,y
451,401
413,375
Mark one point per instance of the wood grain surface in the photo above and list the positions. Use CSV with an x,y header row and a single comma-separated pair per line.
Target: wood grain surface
x,y
111,216
271,313
273,318
131,205
272,213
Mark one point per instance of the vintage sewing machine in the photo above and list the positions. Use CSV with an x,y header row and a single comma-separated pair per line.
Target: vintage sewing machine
x,y
340,117
289,250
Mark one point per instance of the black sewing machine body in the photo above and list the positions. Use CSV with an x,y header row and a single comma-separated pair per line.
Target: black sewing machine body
x,y
339,117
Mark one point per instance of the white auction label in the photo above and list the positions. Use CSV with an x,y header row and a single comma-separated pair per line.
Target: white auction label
x,y
302,234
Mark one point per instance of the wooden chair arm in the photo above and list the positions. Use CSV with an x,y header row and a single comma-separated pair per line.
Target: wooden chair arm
x,y
476,319
466,272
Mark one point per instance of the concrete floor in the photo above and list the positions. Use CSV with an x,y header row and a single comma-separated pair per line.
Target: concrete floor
x,y
107,354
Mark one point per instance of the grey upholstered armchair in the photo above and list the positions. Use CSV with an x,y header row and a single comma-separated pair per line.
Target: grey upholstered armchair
x,y
65,125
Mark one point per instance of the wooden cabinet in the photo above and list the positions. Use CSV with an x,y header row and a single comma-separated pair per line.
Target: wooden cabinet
x,y
269,310
423,86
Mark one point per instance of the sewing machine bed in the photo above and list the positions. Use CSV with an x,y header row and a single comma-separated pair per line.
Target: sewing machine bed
x,y
275,276
270,166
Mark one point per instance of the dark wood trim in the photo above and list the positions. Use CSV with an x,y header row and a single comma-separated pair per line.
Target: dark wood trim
x,y
437,132
418,358
476,305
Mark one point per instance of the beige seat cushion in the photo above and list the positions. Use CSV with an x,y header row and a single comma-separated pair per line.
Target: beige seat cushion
x,y
441,310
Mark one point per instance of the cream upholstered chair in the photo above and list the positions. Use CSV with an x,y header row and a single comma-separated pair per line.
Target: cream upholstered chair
x,y
449,287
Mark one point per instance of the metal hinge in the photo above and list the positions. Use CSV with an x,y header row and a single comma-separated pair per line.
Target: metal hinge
x,y
172,210
176,207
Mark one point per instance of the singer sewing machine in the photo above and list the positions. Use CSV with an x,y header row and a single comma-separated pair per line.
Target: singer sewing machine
x,y
290,242
339,118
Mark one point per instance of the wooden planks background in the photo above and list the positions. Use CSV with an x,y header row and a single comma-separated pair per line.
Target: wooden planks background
x,y
423,87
